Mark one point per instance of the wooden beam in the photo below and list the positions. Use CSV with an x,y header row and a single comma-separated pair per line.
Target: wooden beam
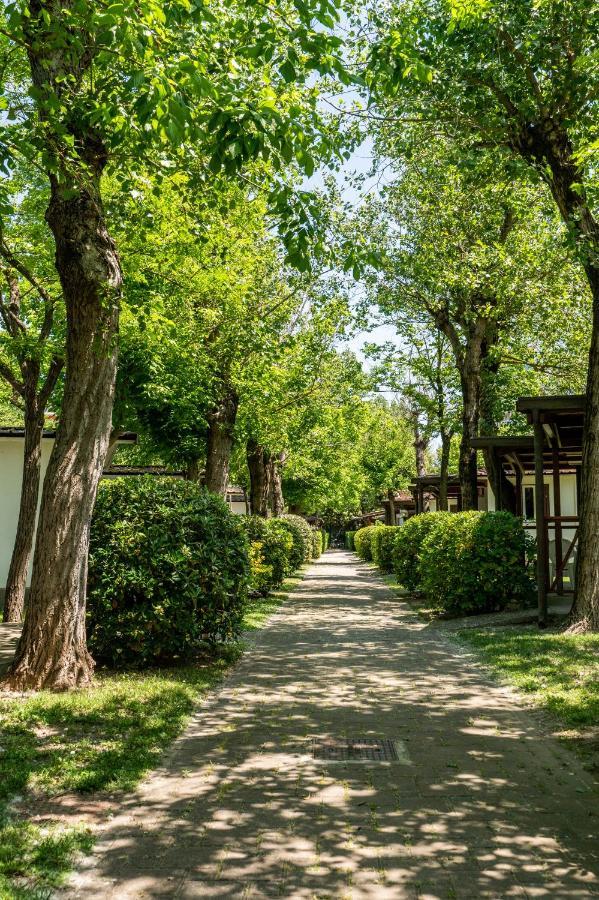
x,y
541,524
557,511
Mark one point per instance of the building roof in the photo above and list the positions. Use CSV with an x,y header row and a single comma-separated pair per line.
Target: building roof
x,y
125,471
126,437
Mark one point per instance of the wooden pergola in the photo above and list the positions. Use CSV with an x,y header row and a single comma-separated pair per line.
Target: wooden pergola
x,y
554,448
430,485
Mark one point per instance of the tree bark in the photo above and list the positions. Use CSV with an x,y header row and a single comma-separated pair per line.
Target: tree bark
x,y
14,599
548,147
221,428
419,447
444,473
391,499
467,466
257,461
277,501
52,652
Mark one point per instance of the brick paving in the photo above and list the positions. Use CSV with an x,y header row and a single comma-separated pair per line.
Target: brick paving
x,y
480,803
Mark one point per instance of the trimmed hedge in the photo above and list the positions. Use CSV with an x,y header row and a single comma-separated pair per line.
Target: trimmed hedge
x,y
302,538
382,544
349,540
407,547
326,540
168,571
363,541
474,562
317,543
271,551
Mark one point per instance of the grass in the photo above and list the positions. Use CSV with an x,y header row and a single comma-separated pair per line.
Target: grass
x,y
99,740
558,672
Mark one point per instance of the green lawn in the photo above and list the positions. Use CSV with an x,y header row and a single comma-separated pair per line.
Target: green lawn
x,y
559,672
103,739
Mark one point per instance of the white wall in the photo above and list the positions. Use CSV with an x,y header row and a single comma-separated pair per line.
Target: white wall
x,y
11,472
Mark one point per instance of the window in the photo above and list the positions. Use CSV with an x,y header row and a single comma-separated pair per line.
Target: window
x,y
529,502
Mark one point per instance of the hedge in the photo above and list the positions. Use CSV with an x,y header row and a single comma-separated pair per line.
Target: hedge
x,y
168,571
302,538
317,543
349,540
407,547
474,562
382,544
363,539
271,551
326,540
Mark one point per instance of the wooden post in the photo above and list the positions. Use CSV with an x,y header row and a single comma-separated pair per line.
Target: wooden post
x,y
497,479
519,510
540,522
557,511
420,499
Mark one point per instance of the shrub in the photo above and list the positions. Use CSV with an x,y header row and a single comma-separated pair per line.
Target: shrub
x,y
302,535
407,546
168,571
349,540
317,543
383,541
473,562
363,541
272,548
326,540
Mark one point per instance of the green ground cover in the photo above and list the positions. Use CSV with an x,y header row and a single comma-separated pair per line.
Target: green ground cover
x,y
96,741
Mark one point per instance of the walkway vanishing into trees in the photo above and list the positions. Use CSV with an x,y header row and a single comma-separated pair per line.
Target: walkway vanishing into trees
x,y
477,802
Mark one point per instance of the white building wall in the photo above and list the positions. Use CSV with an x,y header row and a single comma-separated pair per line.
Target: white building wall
x,y
11,473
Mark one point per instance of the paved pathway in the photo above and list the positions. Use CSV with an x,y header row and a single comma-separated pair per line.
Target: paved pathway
x,y
9,635
479,803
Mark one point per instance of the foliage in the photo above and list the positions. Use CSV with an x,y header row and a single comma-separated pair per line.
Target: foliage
x,y
349,540
302,538
363,540
474,562
168,571
407,548
271,552
383,543
317,543
560,672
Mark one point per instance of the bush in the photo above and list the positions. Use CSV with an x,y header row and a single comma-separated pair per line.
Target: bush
x,y
382,543
363,541
349,540
407,546
271,551
317,543
473,562
326,540
168,571
302,538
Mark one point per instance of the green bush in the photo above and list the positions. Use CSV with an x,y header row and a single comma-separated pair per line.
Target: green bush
x,y
317,543
302,538
271,551
473,562
349,540
168,571
363,540
407,546
382,543
326,540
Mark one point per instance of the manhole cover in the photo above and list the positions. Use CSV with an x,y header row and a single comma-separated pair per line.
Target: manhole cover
x,y
356,750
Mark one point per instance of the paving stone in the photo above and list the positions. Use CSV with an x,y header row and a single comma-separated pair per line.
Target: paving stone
x,y
484,804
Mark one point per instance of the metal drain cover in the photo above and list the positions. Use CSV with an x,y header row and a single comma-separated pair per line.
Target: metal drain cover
x,y
365,749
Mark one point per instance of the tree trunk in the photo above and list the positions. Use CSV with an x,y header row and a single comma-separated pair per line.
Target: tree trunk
x,y
277,502
52,651
391,499
419,447
444,473
14,600
259,479
549,149
221,427
468,468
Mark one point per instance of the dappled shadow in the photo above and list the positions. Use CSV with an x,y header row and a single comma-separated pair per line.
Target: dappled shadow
x,y
484,807
9,635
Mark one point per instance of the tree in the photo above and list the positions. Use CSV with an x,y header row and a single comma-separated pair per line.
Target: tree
x,y
31,357
476,254
94,89
521,77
